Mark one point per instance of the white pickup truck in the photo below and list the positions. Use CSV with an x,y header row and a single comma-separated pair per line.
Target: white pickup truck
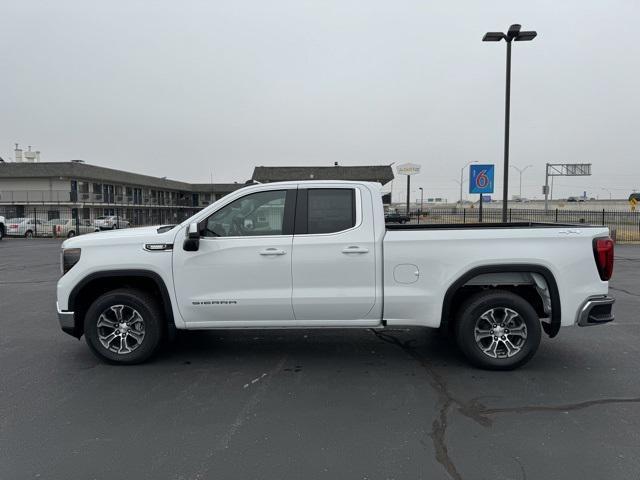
x,y
318,254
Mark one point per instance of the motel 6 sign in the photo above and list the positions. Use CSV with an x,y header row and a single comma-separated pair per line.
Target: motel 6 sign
x,y
481,178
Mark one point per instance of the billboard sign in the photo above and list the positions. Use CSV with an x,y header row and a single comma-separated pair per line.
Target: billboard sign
x,y
481,178
408,169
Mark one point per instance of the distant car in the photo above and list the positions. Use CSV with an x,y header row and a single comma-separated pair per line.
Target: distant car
x,y
576,199
396,218
23,227
67,227
111,222
2,227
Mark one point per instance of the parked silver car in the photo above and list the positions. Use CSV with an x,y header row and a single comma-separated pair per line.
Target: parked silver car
x,y
24,227
109,222
67,227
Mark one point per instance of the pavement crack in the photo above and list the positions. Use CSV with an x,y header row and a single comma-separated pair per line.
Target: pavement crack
x,y
556,408
445,400
474,409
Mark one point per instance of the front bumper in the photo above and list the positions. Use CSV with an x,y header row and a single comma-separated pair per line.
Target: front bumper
x,y
596,311
67,321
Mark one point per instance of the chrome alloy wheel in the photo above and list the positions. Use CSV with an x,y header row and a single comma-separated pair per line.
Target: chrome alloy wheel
x,y
121,329
500,332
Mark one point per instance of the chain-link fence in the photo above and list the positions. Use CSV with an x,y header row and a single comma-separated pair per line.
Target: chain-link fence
x,y
54,221
624,225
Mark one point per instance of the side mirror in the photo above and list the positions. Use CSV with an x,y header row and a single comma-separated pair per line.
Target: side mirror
x,y
193,231
192,242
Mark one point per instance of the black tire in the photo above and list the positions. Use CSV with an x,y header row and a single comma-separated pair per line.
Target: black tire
x,y
1,232
152,322
71,234
114,227
475,312
28,234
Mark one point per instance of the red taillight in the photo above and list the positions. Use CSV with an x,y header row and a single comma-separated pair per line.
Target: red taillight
x,y
603,252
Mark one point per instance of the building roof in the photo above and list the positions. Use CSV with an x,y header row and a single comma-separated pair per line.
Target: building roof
x,y
85,171
370,173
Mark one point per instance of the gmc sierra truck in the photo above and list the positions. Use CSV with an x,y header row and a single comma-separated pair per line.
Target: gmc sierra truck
x,y
318,255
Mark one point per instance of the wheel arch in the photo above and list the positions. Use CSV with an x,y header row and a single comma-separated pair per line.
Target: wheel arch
x,y
449,306
98,283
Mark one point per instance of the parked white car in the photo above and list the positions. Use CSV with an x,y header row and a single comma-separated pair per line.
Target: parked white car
x,y
23,227
111,222
67,227
318,254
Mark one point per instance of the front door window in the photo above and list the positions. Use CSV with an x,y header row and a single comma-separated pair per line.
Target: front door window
x,y
255,214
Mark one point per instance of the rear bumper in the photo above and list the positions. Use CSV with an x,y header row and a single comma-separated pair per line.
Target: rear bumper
x,y
596,311
67,321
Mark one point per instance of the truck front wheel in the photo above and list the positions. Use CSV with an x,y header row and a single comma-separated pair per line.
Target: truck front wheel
x,y
123,326
498,330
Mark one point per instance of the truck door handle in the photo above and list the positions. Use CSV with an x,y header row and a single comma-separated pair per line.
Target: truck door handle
x,y
355,249
272,251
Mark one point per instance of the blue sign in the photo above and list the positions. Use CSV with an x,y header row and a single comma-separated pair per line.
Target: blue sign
x,y
486,198
481,179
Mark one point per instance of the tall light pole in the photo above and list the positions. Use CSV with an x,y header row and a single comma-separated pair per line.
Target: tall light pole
x,y
513,33
521,171
421,199
461,181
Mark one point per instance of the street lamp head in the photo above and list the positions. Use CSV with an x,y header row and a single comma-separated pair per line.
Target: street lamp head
x,y
513,31
493,37
526,36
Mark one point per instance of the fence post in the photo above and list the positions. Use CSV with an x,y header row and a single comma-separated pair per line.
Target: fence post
x,y
35,222
464,215
603,216
510,215
556,215
117,218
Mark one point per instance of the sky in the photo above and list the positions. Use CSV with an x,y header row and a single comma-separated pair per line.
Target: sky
x,y
201,90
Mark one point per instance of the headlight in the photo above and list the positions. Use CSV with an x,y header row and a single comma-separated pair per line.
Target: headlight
x,y
70,256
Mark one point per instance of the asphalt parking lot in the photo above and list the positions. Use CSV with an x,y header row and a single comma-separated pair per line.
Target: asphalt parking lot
x,y
310,404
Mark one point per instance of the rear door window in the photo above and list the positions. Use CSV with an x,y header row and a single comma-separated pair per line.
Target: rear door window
x,y
330,210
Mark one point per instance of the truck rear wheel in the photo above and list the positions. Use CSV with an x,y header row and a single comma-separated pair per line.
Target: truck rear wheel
x,y
498,330
123,326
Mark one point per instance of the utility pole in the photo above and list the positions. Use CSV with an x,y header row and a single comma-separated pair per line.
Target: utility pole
x,y
408,192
